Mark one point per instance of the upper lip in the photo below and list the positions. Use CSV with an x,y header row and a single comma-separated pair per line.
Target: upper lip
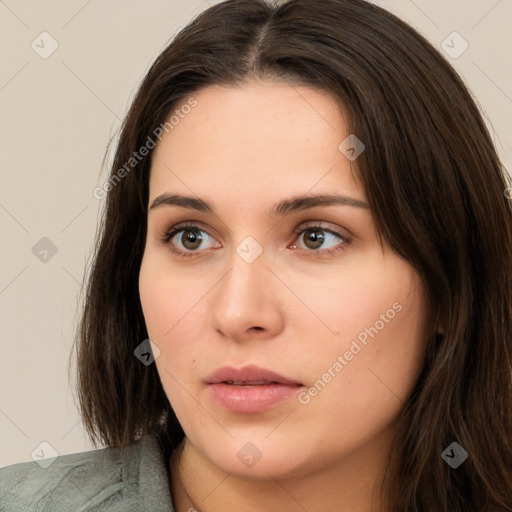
x,y
250,374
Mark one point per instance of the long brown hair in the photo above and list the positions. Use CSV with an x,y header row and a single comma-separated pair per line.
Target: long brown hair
x,y
436,186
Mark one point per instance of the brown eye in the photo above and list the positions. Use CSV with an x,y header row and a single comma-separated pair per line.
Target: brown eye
x,y
317,239
191,238
313,238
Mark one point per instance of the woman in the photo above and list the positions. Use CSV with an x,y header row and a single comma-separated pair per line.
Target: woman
x,y
308,219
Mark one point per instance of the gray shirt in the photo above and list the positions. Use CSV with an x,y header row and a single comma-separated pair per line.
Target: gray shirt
x,y
133,479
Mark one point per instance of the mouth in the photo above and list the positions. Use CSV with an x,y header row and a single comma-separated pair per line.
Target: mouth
x,y
250,375
250,384
250,389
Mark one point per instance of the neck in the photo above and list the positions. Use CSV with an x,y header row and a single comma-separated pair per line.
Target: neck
x,y
351,485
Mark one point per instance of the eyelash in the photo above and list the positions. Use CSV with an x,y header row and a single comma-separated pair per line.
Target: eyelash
x,y
170,233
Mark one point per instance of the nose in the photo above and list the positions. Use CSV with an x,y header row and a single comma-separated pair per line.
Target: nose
x,y
247,301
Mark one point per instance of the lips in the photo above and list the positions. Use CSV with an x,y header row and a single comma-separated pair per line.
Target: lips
x,y
250,375
251,389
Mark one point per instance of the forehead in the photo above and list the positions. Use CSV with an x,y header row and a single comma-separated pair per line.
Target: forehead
x,y
254,139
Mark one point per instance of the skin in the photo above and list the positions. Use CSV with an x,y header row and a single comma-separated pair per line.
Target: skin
x,y
243,149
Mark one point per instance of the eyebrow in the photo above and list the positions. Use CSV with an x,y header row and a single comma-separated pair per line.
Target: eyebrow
x,y
285,207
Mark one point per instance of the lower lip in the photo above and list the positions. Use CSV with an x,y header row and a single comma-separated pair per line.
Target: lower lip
x,y
246,399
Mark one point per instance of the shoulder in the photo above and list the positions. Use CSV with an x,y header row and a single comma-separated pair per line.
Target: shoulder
x,y
132,478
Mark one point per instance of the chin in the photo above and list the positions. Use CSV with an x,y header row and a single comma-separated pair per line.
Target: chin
x,y
253,458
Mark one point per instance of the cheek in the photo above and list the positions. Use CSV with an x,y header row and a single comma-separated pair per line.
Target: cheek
x,y
174,317
354,306
366,366
153,288
167,298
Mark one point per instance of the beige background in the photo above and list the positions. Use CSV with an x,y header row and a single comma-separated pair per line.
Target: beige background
x,y
58,115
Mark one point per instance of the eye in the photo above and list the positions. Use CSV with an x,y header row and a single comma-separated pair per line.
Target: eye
x,y
192,237
317,237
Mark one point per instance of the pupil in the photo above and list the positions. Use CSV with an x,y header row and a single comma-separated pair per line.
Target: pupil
x,y
316,237
191,239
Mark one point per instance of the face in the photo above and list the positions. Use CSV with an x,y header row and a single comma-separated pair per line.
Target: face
x,y
257,283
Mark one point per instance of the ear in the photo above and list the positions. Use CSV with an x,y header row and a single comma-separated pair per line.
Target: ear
x,y
439,323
